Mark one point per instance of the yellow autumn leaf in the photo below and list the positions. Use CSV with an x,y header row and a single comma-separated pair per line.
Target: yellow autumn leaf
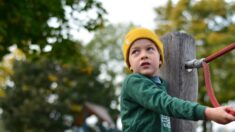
x,y
87,70
76,107
52,77
2,93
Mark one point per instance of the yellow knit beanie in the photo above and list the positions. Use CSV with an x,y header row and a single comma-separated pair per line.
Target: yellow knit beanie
x,y
139,33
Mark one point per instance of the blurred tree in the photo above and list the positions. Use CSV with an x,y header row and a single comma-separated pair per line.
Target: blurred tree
x,y
56,77
105,51
6,66
212,24
37,25
106,46
47,95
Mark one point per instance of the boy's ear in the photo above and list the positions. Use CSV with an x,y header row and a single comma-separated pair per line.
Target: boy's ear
x,y
160,63
130,69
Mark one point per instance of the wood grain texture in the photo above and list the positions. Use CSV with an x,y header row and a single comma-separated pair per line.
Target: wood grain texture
x,y
179,48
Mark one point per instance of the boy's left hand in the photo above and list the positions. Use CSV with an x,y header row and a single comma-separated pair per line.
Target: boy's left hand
x,y
230,110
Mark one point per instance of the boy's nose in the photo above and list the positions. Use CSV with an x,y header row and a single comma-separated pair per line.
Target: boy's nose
x,y
144,56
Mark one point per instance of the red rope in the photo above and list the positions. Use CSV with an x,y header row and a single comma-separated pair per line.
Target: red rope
x,y
209,88
220,53
207,77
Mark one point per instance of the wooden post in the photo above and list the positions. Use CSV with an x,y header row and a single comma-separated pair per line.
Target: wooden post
x,y
179,48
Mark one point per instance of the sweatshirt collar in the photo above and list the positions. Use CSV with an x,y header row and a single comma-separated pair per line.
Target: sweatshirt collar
x,y
156,79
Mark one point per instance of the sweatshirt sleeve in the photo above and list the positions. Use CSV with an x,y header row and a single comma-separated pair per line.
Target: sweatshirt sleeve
x,y
144,92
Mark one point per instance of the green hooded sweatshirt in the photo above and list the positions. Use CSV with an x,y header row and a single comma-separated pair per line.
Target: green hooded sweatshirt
x,y
146,106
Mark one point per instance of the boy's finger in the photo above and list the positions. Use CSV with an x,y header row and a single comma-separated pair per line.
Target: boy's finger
x,y
230,110
230,117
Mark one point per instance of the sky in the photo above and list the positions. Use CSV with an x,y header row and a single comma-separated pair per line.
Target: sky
x,y
138,12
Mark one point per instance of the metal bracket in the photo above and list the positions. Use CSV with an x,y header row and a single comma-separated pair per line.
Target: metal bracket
x,y
195,63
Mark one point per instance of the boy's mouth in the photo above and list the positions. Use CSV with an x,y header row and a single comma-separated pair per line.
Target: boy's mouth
x,y
145,64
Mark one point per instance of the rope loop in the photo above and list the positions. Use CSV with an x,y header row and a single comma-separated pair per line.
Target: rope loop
x,y
206,71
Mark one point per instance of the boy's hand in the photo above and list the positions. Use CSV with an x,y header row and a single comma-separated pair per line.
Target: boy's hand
x,y
221,115
230,110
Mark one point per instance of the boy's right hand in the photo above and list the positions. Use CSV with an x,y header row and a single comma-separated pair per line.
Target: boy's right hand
x,y
221,114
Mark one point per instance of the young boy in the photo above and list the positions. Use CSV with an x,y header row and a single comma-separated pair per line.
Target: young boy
x,y
145,104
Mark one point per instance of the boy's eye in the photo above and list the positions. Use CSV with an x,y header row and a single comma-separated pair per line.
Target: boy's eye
x,y
134,51
150,48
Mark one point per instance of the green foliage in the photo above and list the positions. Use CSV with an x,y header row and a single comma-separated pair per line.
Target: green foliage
x,y
106,49
44,92
212,24
109,40
105,52
50,87
24,22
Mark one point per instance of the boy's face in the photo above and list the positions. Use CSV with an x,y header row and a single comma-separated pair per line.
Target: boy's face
x,y
144,57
